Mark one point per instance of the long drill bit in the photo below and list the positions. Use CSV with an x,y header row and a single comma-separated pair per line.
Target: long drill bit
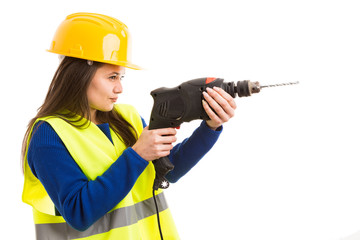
x,y
279,84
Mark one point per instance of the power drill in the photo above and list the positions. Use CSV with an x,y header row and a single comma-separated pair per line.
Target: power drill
x,y
173,106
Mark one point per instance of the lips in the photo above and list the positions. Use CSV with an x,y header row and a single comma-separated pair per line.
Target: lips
x,y
114,99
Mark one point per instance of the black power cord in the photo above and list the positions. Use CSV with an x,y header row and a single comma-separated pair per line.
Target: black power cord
x,y
158,215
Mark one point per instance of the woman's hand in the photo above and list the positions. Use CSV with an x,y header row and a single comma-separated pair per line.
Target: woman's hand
x,y
222,104
154,144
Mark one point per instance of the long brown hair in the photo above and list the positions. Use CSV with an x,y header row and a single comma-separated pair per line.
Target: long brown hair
x,y
66,98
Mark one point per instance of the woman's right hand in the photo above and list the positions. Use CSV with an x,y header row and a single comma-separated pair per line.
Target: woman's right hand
x,y
154,144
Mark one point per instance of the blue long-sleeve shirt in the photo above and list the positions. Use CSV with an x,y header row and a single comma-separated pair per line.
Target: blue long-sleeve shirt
x,y
74,196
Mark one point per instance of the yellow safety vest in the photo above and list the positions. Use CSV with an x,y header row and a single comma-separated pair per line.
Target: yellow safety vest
x,y
133,218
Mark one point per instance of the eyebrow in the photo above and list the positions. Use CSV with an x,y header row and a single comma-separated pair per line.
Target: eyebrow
x,y
116,73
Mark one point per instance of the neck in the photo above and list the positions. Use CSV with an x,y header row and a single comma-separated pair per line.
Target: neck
x,y
93,116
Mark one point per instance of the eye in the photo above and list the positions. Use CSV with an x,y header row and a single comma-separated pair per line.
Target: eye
x,y
116,77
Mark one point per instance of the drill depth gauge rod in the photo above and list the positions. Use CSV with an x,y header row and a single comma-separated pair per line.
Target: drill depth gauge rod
x,y
173,106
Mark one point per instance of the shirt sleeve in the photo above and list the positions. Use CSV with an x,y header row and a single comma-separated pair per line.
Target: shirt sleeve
x,y
189,152
73,194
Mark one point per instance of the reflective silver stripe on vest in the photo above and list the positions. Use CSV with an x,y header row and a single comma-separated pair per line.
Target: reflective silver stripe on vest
x,y
120,217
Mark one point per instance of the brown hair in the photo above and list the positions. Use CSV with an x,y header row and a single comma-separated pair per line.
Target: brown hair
x,y
66,98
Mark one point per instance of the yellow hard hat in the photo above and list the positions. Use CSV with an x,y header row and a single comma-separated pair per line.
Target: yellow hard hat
x,y
94,37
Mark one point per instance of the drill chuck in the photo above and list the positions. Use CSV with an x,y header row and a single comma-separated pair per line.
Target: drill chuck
x,y
242,88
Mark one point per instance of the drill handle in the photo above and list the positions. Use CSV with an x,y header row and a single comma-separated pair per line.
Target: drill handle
x,y
162,167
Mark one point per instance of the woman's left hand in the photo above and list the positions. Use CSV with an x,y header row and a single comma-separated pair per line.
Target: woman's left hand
x,y
222,106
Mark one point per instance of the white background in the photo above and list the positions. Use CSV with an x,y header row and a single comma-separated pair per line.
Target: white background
x,y
286,167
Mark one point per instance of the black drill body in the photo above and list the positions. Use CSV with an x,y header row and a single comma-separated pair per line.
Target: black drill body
x,y
173,106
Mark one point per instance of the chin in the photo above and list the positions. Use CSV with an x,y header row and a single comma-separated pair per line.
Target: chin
x,y
109,108
106,108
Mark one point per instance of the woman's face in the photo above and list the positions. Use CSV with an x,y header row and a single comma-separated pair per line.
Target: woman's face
x,y
104,87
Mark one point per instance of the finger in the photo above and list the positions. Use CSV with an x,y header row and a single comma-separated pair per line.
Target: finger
x,y
167,139
219,110
224,99
164,150
213,116
163,154
164,147
165,131
226,96
225,110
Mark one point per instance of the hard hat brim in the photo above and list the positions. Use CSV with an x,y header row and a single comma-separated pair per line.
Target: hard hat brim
x,y
118,63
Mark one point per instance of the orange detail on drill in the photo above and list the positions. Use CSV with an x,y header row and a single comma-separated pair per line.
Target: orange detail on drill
x,y
209,80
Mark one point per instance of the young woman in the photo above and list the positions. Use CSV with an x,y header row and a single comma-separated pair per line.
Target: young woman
x,y
87,160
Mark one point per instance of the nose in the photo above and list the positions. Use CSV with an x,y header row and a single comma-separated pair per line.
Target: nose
x,y
118,87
